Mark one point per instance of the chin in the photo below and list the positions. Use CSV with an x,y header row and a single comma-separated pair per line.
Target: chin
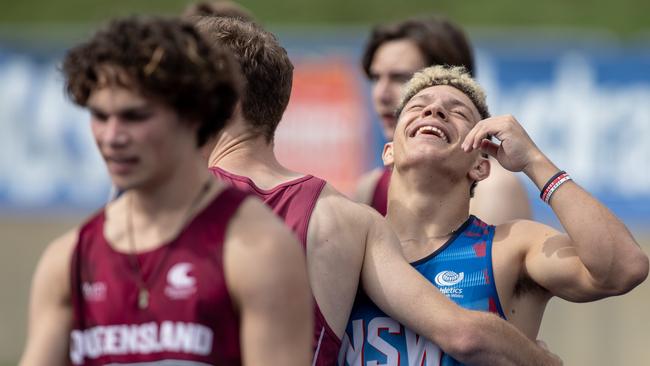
x,y
122,184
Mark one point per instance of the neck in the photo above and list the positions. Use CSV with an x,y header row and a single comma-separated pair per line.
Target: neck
x,y
424,204
242,152
174,194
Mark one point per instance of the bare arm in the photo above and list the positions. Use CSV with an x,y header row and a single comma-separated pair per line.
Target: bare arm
x,y
599,257
50,311
266,273
471,337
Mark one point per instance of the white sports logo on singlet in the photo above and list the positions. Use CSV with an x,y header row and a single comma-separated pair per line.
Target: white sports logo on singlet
x,y
94,291
449,278
180,284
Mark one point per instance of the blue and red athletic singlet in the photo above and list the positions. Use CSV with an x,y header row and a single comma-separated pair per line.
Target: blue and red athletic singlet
x,y
189,320
461,269
294,202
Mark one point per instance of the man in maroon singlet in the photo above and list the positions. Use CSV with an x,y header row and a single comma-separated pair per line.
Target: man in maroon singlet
x,y
349,246
392,54
180,269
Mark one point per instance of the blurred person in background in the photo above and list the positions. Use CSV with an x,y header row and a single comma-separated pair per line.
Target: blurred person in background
x,y
348,246
392,54
512,269
223,8
163,274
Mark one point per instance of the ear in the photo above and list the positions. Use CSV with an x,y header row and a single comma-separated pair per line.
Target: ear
x,y
480,170
387,155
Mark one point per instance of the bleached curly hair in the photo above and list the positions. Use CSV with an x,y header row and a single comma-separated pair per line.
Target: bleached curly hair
x,y
454,76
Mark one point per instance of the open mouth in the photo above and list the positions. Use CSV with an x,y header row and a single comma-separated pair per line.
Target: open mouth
x,y
432,131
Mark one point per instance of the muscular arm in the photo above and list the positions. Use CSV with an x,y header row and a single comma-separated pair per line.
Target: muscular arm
x,y
598,256
50,312
471,337
266,273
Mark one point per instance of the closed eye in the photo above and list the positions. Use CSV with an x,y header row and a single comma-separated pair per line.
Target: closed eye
x,y
98,115
415,107
460,113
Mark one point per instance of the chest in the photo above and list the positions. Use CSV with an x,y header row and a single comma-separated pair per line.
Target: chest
x,y
181,284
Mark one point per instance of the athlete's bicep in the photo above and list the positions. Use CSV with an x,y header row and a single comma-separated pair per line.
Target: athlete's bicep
x,y
50,312
267,276
551,260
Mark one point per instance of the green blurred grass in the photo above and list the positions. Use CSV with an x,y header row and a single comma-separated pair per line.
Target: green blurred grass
x,y
622,17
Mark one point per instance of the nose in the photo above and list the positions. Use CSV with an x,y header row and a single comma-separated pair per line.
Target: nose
x,y
113,133
435,109
383,91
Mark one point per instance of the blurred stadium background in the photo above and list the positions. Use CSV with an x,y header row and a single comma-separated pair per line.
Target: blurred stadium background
x,y
575,73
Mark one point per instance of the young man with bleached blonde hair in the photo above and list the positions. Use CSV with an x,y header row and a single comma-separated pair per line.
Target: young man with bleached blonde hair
x,y
395,51
511,269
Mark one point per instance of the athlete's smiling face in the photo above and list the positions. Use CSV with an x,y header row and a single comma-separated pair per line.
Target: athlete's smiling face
x,y
433,124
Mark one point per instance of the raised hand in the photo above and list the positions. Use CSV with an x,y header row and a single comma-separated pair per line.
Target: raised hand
x,y
516,150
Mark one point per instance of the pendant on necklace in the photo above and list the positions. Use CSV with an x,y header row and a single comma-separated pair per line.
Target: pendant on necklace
x,y
143,298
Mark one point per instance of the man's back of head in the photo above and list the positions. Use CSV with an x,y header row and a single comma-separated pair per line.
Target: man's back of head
x,y
267,70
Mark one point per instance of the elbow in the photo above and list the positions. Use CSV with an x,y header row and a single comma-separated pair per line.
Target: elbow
x,y
634,272
638,271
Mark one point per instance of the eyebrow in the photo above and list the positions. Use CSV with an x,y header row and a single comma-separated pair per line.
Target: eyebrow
x,y
126,110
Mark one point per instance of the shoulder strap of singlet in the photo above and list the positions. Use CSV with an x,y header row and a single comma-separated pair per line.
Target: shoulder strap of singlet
x,y
316,186
380,194
94,223
223,208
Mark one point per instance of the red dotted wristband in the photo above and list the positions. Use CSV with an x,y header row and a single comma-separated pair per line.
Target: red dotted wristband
x,y
553,184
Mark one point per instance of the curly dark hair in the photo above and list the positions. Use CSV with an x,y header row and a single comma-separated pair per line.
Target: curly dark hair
x,y
267,70
440,41
160,58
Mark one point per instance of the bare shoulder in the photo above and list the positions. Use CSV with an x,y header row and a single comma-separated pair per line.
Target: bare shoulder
x,y
254,225
261,254
366,186
337,209
53,271
58,253
521,235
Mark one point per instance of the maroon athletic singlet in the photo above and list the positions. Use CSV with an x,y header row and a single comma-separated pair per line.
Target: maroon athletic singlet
x,y
380,195
189,320
294,202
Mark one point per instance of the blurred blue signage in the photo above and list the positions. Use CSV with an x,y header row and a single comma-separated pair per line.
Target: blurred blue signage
x,y
588,108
